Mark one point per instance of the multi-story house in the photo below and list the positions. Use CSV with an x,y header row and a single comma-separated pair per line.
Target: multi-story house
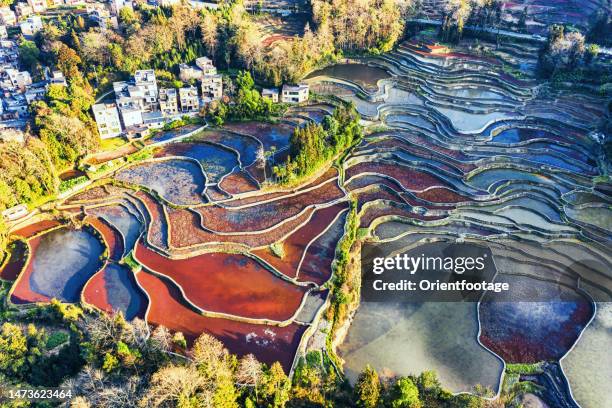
x,y
17,105
206,65
7,16
145,79
131,115
18,79
107,119
38,6
295,93
270,93
153,120
31,26
168,103
188,73
188,97
36,92
99,14
55,77
212,87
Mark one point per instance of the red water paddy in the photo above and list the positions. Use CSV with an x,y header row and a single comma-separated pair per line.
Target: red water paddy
x,y
94,193
15,263
157,232
442,195
228,283
509,341
377,194
237,183
295,245
267,343
185,231
266,215
327,176
22,292
36,228
411,179
112,237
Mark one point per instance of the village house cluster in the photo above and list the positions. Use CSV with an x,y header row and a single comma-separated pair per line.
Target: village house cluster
x,y
18,91
141,105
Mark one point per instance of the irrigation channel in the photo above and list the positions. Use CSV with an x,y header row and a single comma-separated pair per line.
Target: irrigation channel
x,y
461,151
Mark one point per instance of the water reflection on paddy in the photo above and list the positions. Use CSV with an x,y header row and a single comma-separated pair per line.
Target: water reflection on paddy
x,y
402,339
363,75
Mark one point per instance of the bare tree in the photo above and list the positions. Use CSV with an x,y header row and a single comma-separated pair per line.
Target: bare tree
x,y
172,384
161,339
249,372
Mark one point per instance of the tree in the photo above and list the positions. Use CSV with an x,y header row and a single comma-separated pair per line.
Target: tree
x,y
276,386
249,373
209,28
161,339
367,388
68,62
178,386
13,349
405,394
29,55
456,15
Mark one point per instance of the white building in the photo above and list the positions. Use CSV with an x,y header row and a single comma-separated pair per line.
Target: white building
x,y
168,102
131,116
16,105
55,77
270,93
31,26
168,3
38,5
188,97
3,32
7,16
153,120
35,93
206,65
15,213
295,93
187,72
107,119
145,79
212,87
18,79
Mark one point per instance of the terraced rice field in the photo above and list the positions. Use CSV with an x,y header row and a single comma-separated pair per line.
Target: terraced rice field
x,y
472,154
204,233
468,153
